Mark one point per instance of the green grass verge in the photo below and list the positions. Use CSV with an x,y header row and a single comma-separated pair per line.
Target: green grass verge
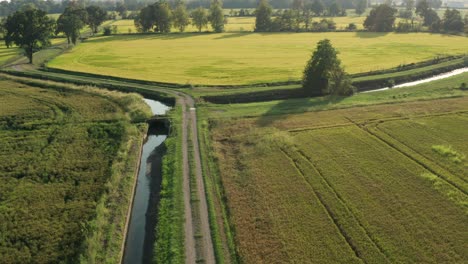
x,y
169,247
444,88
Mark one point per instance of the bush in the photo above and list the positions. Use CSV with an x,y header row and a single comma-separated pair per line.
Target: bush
x,y
404,27
351,27
107,31
463,86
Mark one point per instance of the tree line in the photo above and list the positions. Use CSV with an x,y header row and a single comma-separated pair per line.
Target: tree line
x,y
380,19
31,28
160,17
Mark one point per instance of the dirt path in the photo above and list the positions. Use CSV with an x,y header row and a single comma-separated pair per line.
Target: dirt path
x,y
189,122
190,256
204,219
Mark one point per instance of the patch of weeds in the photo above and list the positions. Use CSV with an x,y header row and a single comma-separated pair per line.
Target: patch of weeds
x,y
449,152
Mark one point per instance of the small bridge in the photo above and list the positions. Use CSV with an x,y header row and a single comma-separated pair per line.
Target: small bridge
x,y
159,120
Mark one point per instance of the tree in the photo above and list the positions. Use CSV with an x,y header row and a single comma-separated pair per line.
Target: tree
x,y
71,22
317,7
121,8
453,21
181,17
409,4
380,19
422,7
317,73
144,21
287,21
334,9
30,29
263,16
162,17
306,16
430,17
216,17
157,16
199,18
96,16
361,6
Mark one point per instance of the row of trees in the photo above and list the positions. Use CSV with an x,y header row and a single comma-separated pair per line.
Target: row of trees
x,y
159,17
298,18
31,28
382,19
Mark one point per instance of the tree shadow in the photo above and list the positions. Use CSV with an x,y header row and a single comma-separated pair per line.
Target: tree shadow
x,y
142,36
232,35
283,108
361,34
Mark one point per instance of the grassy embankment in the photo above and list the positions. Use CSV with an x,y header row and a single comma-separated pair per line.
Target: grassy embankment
x,y
364,167
246,58
169,247
68,163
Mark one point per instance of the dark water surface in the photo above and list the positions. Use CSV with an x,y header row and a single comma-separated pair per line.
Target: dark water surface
x,y
143,219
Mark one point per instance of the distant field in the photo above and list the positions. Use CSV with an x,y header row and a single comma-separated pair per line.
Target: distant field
x,y
246,58
375,184
66,158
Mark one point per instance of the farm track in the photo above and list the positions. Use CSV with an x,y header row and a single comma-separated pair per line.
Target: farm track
x,y
189,121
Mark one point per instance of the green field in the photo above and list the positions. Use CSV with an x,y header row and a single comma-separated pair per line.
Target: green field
x,y
7,53
332,187
245,58
67,160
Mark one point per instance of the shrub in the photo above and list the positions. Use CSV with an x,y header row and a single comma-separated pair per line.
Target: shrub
x,y
351,26
463,86
107,31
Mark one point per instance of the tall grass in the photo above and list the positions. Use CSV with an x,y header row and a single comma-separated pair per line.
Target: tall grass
x,y
169,247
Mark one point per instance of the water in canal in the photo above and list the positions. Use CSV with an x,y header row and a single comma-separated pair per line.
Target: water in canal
x,y
140,235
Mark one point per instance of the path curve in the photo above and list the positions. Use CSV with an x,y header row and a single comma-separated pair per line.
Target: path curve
x,y
189,121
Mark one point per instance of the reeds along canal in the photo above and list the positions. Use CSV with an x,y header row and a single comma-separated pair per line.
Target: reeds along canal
x,y
140,234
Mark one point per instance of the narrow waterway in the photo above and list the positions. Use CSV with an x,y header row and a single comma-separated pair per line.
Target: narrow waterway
x,y
140,235
426,80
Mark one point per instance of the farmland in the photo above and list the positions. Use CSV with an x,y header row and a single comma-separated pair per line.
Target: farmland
x,y
374,178
67,159
245,58
7,53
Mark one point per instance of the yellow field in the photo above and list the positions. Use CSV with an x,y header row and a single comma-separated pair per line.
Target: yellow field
x,y
245,58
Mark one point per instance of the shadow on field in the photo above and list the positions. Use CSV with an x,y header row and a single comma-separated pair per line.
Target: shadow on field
x,y
232,35
371,34
283,108
146,36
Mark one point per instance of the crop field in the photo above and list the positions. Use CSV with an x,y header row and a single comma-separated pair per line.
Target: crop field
x,y
62,160
375,184
245,58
